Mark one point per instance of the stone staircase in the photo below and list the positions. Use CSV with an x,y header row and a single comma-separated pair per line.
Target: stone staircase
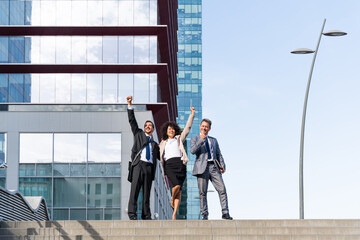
x,y
183,230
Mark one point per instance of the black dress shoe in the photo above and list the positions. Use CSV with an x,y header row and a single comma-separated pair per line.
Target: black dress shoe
x,y
226,216
204,217
133,217
147,218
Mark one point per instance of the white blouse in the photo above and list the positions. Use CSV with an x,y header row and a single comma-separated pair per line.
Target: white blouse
x,y
171,149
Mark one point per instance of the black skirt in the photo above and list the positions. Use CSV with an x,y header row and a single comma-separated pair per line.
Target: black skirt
x,y
175,171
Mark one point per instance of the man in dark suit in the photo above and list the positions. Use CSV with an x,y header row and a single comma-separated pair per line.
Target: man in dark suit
x,y
209,165
144,154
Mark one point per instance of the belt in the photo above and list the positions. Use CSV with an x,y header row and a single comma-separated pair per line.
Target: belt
x,y
210,162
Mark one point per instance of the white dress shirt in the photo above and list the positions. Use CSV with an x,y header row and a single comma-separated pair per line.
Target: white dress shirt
x,y
171,149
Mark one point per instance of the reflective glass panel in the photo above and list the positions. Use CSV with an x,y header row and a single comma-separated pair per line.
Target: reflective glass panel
x,y
69,192
36,148
112,214
77,170
26,170
141,88
63,88
44,169
47,91
48,12
78,50
103,199
126,13
94,50
104,148
37,187
153,88
141,49
110,49
94,13
61,214
111,13
63,50
126,86
95,214
61,169
69,148
78,88
4,49
63,13
78,13
47,50
16,87
110,88
142,12
2,148
77,214
94,88
126,49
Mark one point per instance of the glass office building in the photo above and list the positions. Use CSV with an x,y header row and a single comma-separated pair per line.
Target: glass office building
x,y
66,67
190,91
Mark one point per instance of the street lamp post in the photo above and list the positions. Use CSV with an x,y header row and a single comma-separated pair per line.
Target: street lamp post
x,y
301,158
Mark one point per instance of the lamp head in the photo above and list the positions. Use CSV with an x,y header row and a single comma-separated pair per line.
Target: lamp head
x,y
302,51
335,33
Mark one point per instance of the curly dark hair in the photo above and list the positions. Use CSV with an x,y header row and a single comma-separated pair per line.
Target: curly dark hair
x,y
165,126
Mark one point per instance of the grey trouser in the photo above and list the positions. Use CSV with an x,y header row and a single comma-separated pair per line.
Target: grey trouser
x,y
213,174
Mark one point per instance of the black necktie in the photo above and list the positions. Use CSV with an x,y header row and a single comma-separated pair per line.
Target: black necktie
x,y
207,148
148,148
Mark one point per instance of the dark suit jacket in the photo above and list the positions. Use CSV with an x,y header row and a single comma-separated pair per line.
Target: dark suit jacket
x,y
140,141
197,146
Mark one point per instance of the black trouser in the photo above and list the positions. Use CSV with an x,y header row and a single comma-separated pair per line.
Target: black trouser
x,y
142,177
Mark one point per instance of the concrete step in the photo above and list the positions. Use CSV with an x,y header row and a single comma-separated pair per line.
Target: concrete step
x,y
188,237
181,230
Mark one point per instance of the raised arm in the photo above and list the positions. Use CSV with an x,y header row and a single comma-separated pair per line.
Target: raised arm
x,y
131,115
188,125
195,144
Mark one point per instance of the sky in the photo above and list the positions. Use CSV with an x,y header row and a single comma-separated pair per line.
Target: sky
x,y
253,91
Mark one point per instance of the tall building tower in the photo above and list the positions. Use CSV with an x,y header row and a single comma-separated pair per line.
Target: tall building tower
x,y
190,91
66,67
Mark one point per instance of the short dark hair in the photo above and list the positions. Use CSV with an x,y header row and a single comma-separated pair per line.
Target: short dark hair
x,y
164,127
149,122
206,120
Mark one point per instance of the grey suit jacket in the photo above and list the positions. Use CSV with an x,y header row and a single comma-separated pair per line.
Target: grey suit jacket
x,y
197,146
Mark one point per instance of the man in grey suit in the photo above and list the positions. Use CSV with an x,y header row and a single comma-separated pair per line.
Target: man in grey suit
x,y
209,165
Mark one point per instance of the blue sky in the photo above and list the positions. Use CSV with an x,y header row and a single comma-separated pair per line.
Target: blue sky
x,y
253,90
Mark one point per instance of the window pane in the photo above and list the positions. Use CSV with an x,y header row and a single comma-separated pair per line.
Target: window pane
x,y
61,169
47,90
48,13
63,13
126,49
78,88
110,10
16,87
141,88
126,86
4,87
112,214
110,51
78,170
2,148
47,50
17,7
153,49
69,192
77,214
36,148
102,197
37,187
153,88
4,49
61,214
104,148
63,88
44,169
69,148
153,12
78,15
34,50
94,13
94,88
141,49
142,12
78,49
94,50
95,214
26,170
126,13
110,88
63,50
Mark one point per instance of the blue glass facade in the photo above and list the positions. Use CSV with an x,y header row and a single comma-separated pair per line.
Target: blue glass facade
x,y
190,91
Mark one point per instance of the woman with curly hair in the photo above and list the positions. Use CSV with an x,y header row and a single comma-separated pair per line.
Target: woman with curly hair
x,y
173,157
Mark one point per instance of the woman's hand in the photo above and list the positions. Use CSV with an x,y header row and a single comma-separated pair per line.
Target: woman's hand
x,y
192,110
